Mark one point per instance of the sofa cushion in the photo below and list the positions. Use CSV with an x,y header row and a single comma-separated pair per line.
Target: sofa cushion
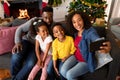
x,y
116,30
6,39
114,21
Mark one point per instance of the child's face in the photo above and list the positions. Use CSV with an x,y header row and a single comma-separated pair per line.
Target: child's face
x,y
58,32
43,31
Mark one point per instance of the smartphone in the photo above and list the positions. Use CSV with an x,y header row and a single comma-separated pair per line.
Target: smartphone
x,y
94,46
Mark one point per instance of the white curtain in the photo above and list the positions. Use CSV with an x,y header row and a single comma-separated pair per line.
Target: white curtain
x,y
116,9
1,10
113,9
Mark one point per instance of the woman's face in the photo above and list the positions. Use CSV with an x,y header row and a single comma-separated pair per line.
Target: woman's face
x,y
77,22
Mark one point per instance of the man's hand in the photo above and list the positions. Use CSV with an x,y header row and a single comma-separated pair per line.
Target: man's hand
x,y
17,48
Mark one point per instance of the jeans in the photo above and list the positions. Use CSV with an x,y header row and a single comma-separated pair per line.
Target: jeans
x,y
51,72
23,61
59,65
71,69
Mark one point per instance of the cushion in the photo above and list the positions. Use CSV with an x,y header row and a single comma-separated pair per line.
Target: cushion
x,y
116,30
6,39
103,59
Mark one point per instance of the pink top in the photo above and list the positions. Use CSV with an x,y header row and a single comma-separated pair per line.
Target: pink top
x,y
78,54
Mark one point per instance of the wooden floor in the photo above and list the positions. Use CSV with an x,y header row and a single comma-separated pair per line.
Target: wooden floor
x,y
5,66
5,74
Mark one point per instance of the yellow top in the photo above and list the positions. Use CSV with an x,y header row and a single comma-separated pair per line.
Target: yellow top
x,y
63,49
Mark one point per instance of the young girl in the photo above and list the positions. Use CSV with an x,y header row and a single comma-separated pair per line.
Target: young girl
x,y
43,50
62,47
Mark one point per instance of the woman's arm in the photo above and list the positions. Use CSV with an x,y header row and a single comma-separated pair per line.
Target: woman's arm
x,y
106,45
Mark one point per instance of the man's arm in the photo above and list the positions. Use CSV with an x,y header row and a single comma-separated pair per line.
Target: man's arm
x,y
21,29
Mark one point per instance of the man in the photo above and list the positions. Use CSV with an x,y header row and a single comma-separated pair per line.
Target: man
x,y
47,16
23,53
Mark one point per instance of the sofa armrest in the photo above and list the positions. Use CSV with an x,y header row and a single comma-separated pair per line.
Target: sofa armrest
x,y
108,71
114,21
112,38
114,66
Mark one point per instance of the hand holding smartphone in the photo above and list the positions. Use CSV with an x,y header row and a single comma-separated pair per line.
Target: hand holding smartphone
x,y
95,46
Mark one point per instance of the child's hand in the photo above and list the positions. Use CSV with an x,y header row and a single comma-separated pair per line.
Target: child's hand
x,y
43,62
63,60
56,70
39,63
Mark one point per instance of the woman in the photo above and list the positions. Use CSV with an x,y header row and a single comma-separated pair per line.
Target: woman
x,y
83,60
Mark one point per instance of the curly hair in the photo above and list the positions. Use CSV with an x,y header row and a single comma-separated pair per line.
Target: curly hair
x,y
39,24
33,25
84,16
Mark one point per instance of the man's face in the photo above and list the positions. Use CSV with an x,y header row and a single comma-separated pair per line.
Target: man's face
x,y
48,17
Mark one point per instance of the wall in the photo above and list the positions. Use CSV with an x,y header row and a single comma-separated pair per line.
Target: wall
x,y
113,9
107,10
61,11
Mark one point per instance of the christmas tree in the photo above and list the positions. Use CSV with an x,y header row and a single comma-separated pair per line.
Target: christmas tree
x,y
94,8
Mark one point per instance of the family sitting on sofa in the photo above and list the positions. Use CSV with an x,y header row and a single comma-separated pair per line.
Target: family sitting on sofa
x,y
69,59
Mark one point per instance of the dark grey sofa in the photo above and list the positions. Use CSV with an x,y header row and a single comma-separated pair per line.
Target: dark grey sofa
x,y
107,72
111,70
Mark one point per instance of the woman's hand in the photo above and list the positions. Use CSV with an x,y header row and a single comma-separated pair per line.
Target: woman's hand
x,y
105,48
17,48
